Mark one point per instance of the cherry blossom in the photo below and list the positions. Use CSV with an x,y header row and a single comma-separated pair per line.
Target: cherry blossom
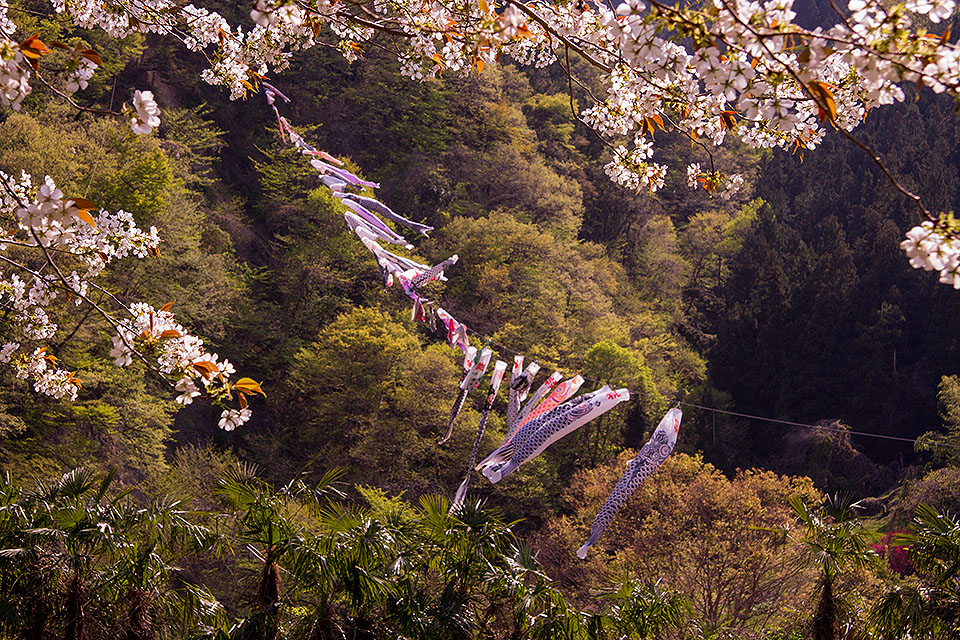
x,y
78,78
935,246
230,419
147,117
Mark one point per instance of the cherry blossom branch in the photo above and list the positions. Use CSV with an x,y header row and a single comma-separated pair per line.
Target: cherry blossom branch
x,y
826,109
64,283
106,315
546,27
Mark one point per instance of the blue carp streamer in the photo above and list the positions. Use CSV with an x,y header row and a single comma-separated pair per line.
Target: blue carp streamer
x,y
651,456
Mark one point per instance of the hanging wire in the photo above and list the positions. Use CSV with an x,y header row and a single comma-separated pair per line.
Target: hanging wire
x,y
828,428
815,427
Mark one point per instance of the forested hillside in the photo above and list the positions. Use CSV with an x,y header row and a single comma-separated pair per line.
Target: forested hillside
x,y
127,513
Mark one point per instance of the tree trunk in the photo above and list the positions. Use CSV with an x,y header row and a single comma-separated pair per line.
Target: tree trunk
x,y
74,629
139,624
825,619
268,597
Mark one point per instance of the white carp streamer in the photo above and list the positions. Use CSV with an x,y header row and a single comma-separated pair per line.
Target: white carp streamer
x,y
651,456
471,380
498,370
520,382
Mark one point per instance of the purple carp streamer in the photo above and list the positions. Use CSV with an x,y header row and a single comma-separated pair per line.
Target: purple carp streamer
x,y
272,93
324,167
368,233
378,225
372,204
651,456
498,370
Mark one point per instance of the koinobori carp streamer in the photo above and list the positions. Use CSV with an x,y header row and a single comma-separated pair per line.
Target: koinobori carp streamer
x,y
498,369
471,380
560,422
651,456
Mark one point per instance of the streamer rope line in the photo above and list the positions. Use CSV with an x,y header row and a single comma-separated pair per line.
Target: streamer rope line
x,y
503,348
865,434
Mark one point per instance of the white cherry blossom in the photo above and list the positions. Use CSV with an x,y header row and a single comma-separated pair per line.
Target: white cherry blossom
x,y
147,116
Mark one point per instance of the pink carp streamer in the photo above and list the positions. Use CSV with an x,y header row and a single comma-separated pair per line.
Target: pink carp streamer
x,y
651,456
542,391
515,440
560,393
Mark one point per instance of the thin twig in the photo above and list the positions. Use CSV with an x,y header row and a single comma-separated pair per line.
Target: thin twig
x,y
696,141
71,101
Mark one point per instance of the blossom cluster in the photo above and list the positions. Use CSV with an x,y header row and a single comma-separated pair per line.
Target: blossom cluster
x,y
935,246
14,77
714,181
154,334
70,247
41,368
80,75
631,168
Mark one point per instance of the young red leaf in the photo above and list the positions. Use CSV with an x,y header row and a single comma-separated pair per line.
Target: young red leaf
x,y
205,367
82,203
248,385
92,56
84,215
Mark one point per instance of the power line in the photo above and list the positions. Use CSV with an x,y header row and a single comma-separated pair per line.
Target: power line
x,y
822,428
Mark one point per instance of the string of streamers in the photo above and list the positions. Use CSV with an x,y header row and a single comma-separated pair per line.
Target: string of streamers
x,y
553,411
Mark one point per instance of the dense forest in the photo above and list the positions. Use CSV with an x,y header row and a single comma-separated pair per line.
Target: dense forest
x,y
123,514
